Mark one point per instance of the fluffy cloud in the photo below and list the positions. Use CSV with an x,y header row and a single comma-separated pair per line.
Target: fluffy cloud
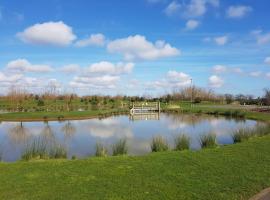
x,y
195,8
267,60
105,67
238,11
268,75
261,38
215,81
23,65
172,80
173,8
221,40
137,47
48,33
192,24
219,69
4,78
103,82
93,40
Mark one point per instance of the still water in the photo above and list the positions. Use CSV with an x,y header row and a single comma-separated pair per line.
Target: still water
x,y
80,136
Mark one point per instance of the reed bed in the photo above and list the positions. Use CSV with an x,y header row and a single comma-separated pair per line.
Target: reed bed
x,y
208,140
159,144
181,142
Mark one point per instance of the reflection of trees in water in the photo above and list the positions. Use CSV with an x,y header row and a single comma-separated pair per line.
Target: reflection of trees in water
x,y
189,119
47,133
19,134
69,130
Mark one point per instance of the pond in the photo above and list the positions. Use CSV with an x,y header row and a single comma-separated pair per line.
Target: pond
x,y
80,136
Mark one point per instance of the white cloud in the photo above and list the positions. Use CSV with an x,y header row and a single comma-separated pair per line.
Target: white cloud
x,y
255,74
267,60
268,75
215,81
219,69
221,40
23,65
237,70
7,78
238,11
197,8
263,38
137,47
71,68
103,82
48,33
192,24
172,80
194,8
173,8
105,67
94,40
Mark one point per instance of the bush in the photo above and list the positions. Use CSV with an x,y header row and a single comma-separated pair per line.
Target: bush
x,y
120,147
182,142
159,144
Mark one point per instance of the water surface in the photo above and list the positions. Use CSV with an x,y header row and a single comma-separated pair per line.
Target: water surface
x,y
80,137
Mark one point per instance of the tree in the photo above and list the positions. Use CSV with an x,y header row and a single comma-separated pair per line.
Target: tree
x,y
267,96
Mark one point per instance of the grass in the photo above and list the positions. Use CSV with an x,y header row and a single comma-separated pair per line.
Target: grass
x,y
159,144
208,140
40,149
120,147
49,116
37,149
182,142
234,172
241,135
101,150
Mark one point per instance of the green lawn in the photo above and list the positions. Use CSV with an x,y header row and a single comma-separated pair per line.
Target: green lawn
x,y
232,172
39,116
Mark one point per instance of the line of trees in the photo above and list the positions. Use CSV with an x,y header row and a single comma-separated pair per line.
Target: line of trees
x,y
18,98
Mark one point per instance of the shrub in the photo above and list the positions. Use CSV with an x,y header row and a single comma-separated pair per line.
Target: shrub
x,y
208,140
101,150
159,144
182,142
120,147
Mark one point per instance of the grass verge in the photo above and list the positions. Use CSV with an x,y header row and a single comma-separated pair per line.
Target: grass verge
x,y
232,172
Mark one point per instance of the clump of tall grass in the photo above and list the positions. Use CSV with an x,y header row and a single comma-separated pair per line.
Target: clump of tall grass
x,y
58,151
159,144
241,134
208,140
37,149
101,150
181,142
120,147
262,130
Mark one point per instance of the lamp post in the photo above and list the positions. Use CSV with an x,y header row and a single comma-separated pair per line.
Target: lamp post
x,y
191,95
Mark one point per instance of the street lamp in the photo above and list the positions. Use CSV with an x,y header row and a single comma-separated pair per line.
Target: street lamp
x,y
191,96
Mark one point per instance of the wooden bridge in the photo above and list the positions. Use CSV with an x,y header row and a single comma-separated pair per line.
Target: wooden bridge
x,y
145,108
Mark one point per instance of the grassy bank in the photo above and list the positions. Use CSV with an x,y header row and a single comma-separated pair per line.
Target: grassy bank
x,y
227,110
49,116
232,172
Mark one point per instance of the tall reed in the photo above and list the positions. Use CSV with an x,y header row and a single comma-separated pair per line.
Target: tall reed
x,y
159,144
208,140
181,142
120,147
101,150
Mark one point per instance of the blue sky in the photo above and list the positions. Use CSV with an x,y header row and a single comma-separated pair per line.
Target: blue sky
x,y
143,47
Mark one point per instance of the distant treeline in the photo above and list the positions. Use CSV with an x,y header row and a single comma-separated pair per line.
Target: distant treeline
x,y
21,99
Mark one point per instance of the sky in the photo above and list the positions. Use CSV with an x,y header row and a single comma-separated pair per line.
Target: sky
x,y
142,47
